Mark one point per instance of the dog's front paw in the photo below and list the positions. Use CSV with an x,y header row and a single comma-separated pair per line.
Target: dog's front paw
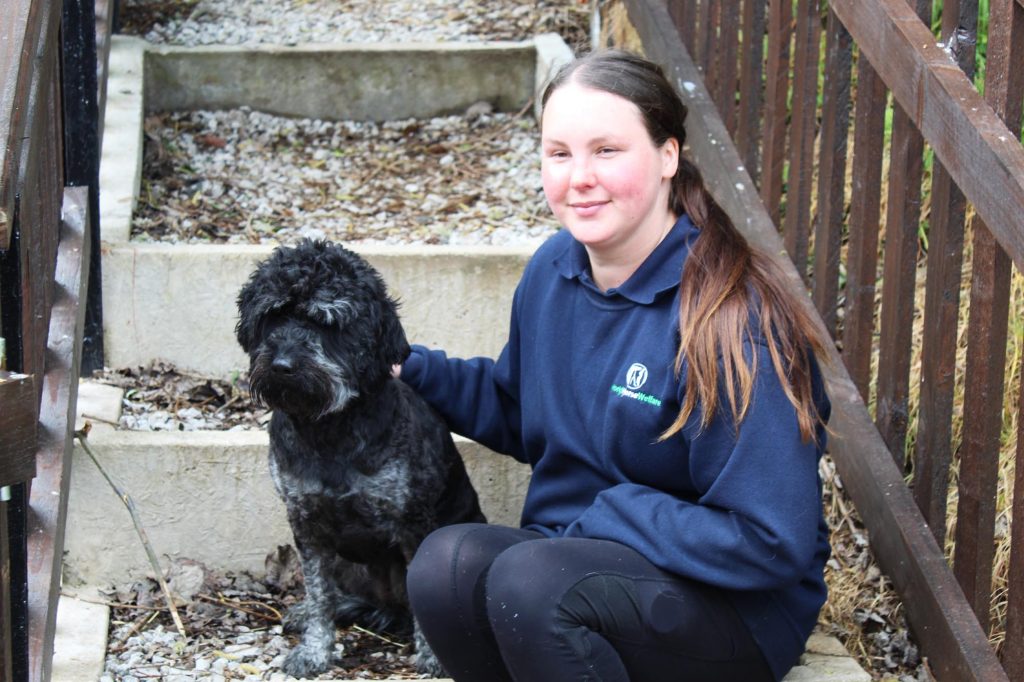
x,y
307,661
427,664
296,618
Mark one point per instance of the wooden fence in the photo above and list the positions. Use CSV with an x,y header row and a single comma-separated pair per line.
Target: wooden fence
x,y
795,94
787,146
48,146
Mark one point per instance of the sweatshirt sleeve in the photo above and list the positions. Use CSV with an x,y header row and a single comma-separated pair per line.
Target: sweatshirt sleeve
x,y
477,397
753,525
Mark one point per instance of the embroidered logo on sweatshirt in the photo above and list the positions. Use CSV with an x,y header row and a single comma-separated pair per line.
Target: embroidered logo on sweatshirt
x,y
636,377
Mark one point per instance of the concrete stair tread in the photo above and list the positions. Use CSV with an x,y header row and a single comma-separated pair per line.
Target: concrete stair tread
x,y
81,642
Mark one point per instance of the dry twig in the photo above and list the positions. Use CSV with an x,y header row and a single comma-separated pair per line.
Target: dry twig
x,y
82,435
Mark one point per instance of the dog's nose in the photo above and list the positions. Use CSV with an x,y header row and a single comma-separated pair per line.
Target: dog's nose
x,y
282,365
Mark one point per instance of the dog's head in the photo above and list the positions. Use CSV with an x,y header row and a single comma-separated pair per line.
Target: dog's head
x,y
319,328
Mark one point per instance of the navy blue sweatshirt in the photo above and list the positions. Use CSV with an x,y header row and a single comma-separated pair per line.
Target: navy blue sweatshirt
x,y
582,391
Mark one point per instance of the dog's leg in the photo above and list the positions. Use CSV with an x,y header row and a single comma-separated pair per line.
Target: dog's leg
x,y
425,661
298,615
314,653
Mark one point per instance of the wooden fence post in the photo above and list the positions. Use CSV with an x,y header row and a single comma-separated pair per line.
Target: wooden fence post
x,y
17,465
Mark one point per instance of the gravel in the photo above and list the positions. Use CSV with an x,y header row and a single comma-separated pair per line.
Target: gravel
x,y
243,176
233,22
232,622
161,398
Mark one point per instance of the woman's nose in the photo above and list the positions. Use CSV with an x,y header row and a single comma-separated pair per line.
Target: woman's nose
x,y
582,173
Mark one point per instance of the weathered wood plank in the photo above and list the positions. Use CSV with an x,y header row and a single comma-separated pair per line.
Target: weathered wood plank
x,y
677,10
802,132
18,414
1005,89
979,452
835,121
862,248
728,66
6,626
982,155
48,500
17,513
776,110
712,56
933,452
14,34
898,284
949,635
751,102
684,14
701,33
898,279
24,35
1013,645
984,377
40,182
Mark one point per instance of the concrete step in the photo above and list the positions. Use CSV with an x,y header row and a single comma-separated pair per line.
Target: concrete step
x,y
177,302
208,497
203,495
80,649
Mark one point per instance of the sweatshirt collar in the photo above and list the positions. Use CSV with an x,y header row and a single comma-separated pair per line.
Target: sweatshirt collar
x,y
659,272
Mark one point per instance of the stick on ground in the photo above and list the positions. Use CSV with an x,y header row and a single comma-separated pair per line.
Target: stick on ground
x,y
82,435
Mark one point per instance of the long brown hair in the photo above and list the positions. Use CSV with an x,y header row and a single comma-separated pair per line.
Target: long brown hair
x,y
724,279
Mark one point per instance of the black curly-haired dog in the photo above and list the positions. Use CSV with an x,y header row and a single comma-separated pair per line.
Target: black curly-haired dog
x,y
365,468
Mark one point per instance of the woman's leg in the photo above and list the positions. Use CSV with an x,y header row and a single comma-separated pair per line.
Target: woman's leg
x,y
570,609
445,582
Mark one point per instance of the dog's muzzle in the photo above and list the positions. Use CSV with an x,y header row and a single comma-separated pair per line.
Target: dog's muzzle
x,y
299,381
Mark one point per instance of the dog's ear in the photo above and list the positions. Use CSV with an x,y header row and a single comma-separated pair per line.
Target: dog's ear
x,y
394,345
254,304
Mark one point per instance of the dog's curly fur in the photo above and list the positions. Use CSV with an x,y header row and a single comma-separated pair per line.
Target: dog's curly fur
x,y
365,468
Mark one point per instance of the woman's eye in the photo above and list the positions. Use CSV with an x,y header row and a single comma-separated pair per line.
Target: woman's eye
x,y
606,151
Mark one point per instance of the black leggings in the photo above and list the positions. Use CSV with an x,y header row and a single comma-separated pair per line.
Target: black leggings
x,y
498,603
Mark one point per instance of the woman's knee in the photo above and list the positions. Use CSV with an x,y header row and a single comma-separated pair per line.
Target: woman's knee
x,y
431,566
526,581
538,579
451,559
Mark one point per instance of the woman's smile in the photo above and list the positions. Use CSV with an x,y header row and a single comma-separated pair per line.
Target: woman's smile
x,y
587,209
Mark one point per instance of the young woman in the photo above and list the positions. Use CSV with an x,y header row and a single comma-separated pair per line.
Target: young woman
x,y
661,382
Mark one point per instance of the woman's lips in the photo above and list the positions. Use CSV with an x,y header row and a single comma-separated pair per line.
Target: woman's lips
x,y
585,209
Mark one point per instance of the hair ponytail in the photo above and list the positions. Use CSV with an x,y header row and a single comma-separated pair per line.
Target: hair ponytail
x,y
723,279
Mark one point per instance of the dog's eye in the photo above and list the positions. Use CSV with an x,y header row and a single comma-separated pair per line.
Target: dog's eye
x,y
323,322
330,314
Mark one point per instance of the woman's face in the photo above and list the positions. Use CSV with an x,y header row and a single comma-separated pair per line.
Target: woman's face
x,y
603,176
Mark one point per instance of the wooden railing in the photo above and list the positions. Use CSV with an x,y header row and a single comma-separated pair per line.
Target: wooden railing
x,y
751,69
47,194
778,162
